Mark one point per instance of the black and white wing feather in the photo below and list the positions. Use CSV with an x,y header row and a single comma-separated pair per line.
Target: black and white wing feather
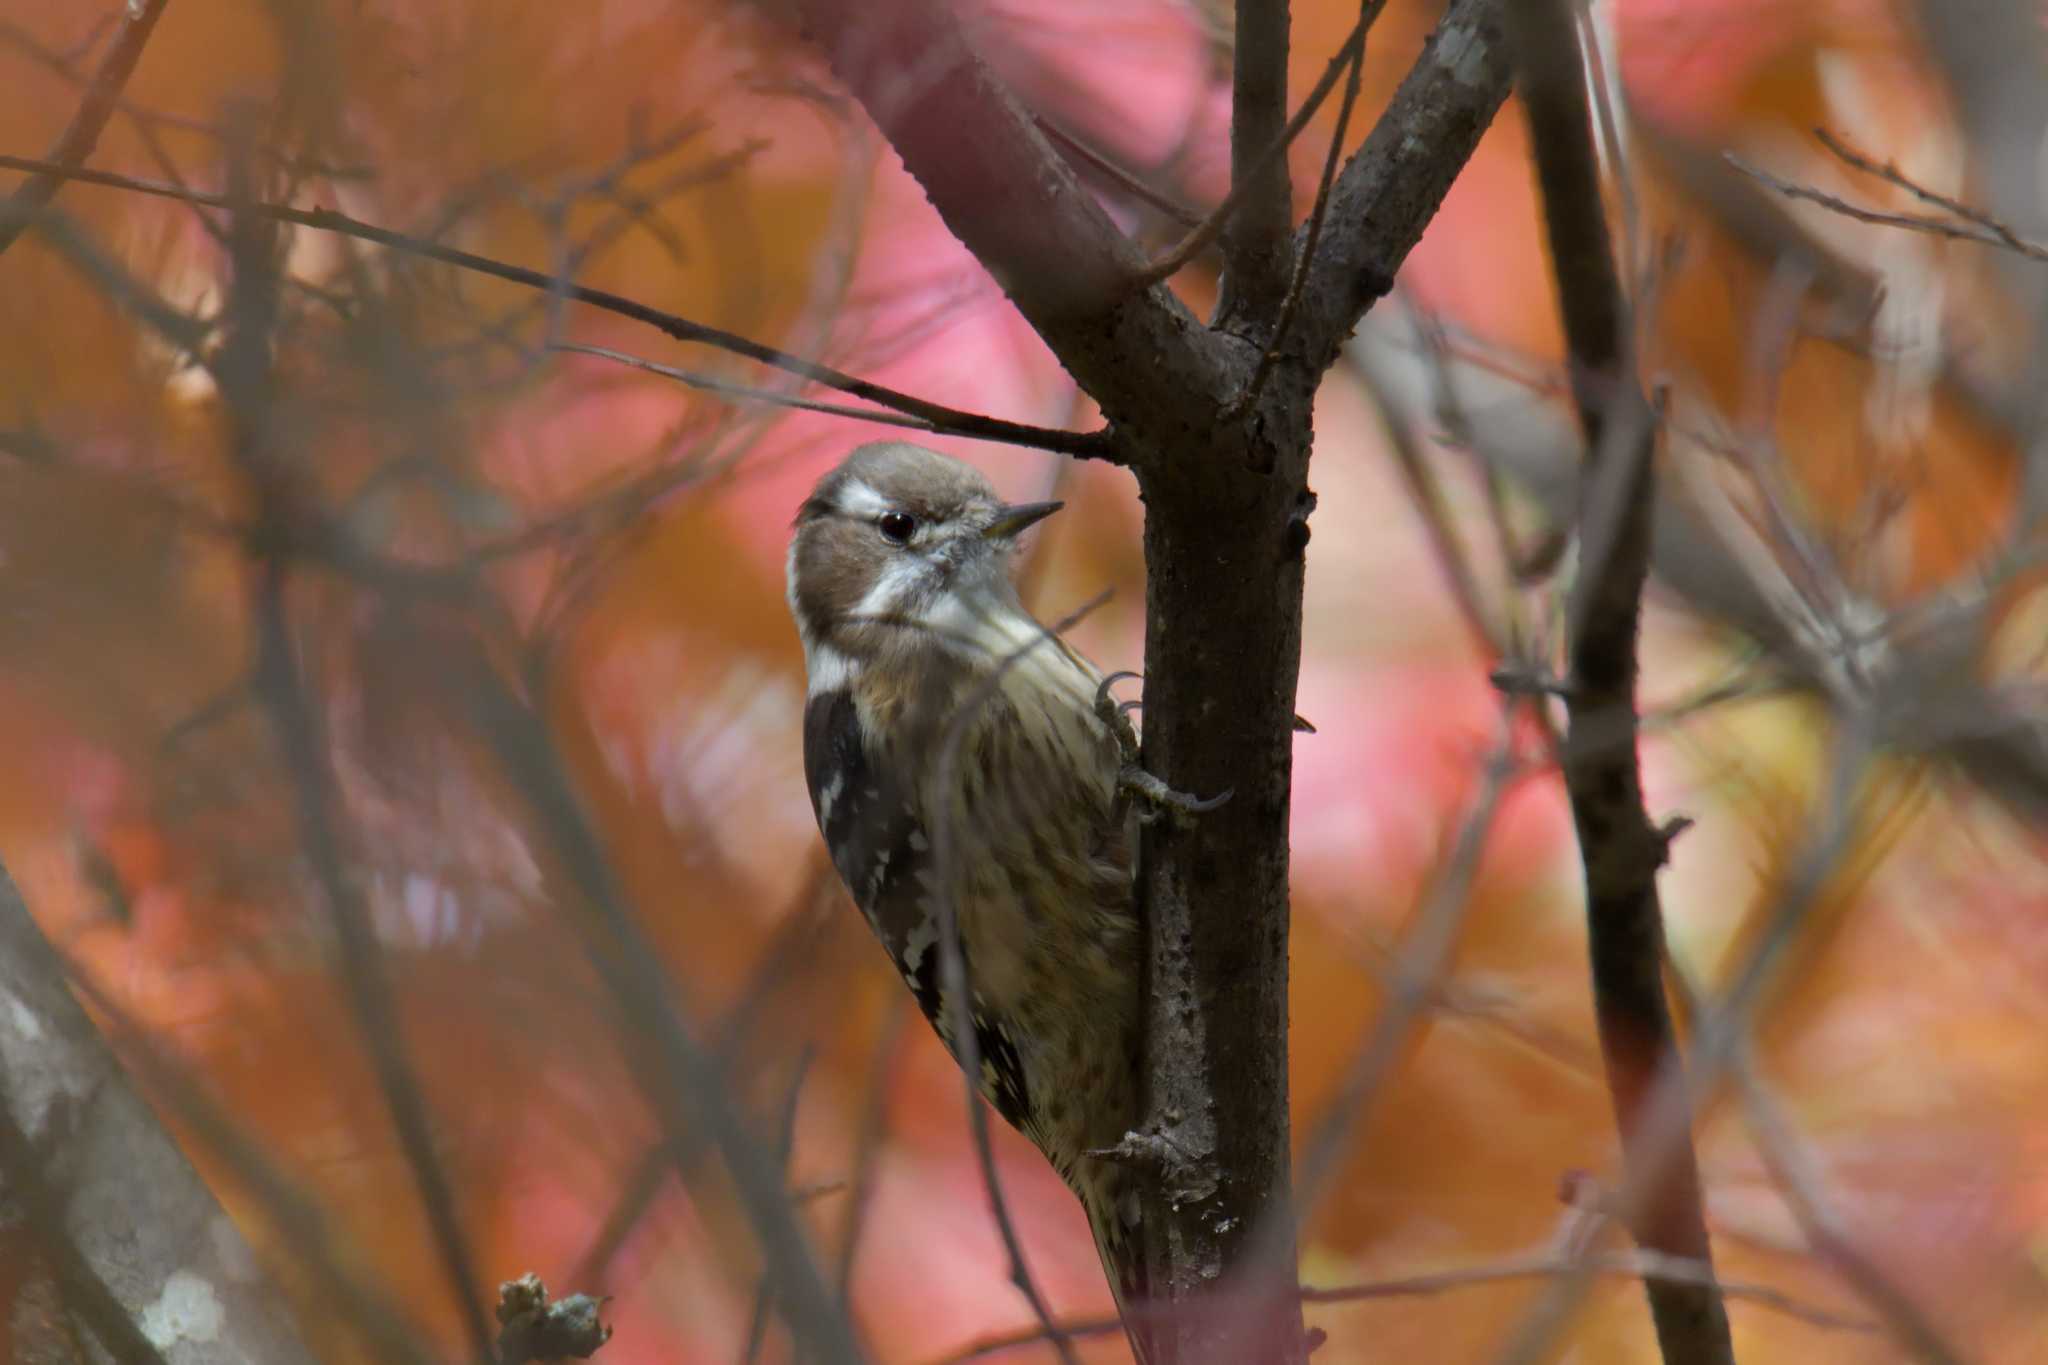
x,y
883,854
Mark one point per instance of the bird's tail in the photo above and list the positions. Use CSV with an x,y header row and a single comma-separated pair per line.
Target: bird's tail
x,y
1106,1195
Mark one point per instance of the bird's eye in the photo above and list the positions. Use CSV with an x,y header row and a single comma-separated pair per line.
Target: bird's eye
x,y
897,527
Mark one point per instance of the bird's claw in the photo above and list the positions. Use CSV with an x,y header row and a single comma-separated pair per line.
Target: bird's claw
x,y
1156,1151
1117,716
1152,1149
1153,796
1102,688
1159,799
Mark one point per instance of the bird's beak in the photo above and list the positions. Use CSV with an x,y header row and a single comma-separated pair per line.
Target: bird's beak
x,y
1013,519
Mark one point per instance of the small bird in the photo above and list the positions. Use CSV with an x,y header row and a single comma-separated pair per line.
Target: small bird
x,y
962,759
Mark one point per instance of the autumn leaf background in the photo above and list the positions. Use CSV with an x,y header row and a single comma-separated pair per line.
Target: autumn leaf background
x,y
621,539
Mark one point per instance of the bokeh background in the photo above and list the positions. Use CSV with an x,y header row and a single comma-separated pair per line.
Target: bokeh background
x,y
622,538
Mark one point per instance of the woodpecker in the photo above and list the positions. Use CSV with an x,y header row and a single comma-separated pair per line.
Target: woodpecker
x,y
963,759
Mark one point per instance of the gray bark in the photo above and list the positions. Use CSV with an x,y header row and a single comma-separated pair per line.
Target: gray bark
x,y
138,1252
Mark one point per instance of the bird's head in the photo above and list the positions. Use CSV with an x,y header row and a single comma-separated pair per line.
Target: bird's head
x,y
901,549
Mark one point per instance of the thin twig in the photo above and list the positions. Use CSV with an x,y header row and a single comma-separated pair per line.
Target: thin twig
x,y
1634,1265
1305,258
635,1197
682,1079
1892,175
1630,1265
368,985
188,334
798,927
952,421
1078,149
1969,231
867,1145
1663,1133
1413,978
1792,1169
1608,125
785,1146
744,392
149,123
83,133
1438,526
244,373
1196,242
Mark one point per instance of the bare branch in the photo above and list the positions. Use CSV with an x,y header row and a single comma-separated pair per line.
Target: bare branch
x,y
867,1146
746,392
1086,444
1630,1265
1969,229
1093,159
85,1291
246,384
1662,1134
1312,234
1620,848
1791,1167
1444,542
1207,231
1412,980
368,985
785,1147
116,1213
684,1086
1257,250
1016,204
83,133
140,1210
150,123
1392,185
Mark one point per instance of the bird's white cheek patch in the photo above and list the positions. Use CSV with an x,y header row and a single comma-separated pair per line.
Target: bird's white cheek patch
x,y
891,591
826,669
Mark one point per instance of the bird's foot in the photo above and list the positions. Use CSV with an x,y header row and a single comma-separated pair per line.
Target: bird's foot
x,y
1116,716
1186,1177
1153,797
1156,799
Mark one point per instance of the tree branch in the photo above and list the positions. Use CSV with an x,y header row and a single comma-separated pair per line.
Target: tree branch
x,y
121,1216
952,421
1312,231
1171,262
1391,187
1017,205
83,133
1225,485
1540,1265
1793,1171
1257,248
682,1078
1620,849
244,373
